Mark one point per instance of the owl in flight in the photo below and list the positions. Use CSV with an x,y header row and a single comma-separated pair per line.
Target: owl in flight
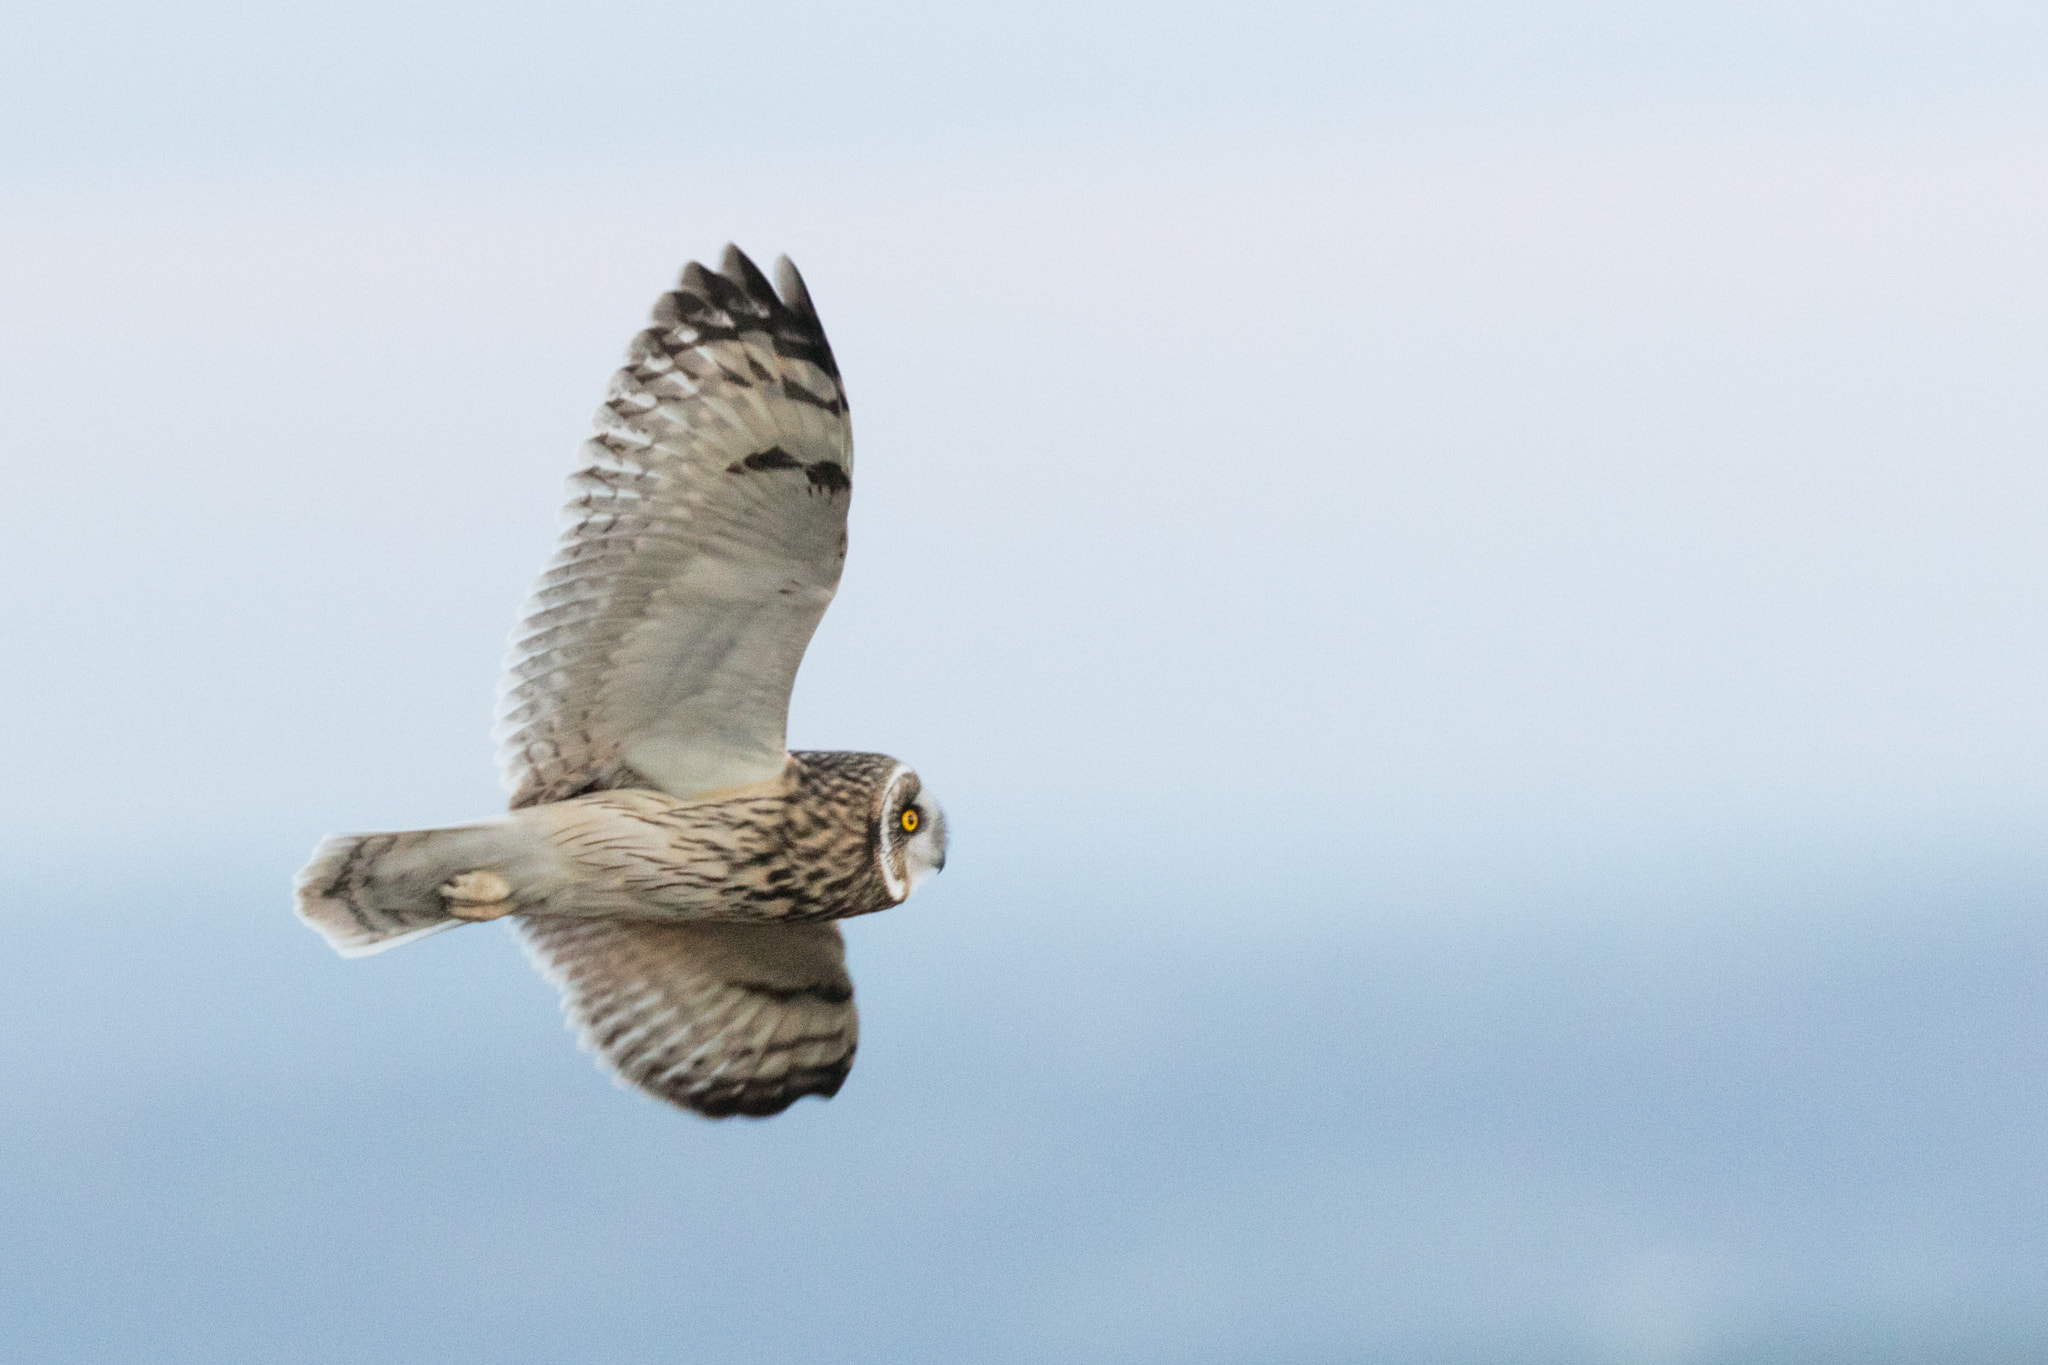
x,y
668,863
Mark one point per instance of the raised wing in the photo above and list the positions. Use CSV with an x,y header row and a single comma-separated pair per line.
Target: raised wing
x,y
720,1018
706,533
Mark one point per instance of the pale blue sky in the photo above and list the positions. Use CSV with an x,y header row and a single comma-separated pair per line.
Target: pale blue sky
x,y
285,86
1470,577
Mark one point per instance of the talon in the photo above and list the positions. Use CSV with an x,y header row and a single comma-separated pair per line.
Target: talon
x,y
477,895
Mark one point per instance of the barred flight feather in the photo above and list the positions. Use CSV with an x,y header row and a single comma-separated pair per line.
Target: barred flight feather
x,y
660,645
721,1018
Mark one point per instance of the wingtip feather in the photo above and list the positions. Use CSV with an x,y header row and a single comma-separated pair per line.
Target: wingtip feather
x,y
735,266
796,296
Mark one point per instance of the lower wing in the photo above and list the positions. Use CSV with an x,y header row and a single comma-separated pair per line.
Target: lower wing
x,y
720,1018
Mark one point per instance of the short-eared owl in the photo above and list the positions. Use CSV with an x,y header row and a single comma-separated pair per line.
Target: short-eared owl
x,y
668,862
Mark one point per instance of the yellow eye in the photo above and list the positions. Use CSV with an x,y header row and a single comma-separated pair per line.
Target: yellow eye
x,y
910,821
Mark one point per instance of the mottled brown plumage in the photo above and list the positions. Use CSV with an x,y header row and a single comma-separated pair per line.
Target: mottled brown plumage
x,y
668,863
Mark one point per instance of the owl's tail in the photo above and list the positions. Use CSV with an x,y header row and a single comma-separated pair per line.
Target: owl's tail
x,y
369,892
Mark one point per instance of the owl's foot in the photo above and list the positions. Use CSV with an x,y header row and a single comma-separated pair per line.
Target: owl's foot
x,y
477,895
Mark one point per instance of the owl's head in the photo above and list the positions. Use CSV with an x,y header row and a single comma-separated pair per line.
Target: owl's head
x,y
913,830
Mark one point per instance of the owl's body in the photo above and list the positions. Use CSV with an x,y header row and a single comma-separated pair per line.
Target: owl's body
x,y
669,864
800,849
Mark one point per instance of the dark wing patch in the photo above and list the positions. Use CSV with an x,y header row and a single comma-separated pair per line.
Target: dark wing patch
x,y
825,474
774,457
828,476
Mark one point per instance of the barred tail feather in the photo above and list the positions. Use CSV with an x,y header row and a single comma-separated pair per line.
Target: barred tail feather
x,y
367,893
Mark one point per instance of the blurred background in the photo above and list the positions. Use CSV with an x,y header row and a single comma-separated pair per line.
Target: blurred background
x,y
1469,575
